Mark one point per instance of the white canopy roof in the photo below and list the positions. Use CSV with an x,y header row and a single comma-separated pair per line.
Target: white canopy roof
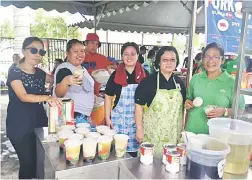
x,y
141,16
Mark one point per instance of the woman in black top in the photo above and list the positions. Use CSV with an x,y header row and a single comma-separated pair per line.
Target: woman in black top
x,y
122,85
25,111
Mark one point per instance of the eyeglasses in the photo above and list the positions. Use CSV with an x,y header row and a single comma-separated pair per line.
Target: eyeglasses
x,y
41,52
168,60
214,58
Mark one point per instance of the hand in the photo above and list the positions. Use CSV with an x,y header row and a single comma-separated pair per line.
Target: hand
x,y
189,104
139,135
109,123
218,112
73,80
54,101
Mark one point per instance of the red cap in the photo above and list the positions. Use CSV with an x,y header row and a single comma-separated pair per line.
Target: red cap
x,y
92,37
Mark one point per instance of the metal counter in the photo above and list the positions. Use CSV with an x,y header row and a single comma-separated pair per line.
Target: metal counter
x,y
52,164
133,169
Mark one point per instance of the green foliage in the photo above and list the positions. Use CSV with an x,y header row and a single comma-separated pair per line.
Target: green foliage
x,y
52,27
6,30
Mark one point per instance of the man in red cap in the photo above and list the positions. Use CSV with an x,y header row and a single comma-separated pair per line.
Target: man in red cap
x,y
94,60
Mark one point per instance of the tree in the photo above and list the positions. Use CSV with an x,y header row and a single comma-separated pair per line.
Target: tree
x,y
7,30
52,27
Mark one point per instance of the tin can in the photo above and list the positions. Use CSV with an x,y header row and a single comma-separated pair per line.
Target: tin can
x,y
172,164
146,153
182,151
168,147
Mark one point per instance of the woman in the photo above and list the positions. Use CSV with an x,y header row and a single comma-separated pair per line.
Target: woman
x,y
74,82
57,62
214,85
148,64
25,111
163,92
122,84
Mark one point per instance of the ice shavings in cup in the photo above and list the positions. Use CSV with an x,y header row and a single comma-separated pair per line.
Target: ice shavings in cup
x,y
198,101
101,76
209,108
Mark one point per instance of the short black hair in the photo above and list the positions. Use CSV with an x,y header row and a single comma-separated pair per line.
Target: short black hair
x,y
71,42
215,46
59,60
151,53
127,44
161,51
198,57
30,40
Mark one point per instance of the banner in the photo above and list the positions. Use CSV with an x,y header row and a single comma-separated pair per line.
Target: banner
x,y
223,24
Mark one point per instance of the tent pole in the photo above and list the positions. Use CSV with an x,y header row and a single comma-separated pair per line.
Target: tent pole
x,y
190,44
142,39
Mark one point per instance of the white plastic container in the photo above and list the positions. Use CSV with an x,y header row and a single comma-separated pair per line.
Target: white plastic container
x,y
206,158
83,125
239,140
82,131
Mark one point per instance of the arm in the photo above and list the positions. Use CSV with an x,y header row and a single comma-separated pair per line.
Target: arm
x,y
109,95
49,78
62,88
107,107
21,93
63,81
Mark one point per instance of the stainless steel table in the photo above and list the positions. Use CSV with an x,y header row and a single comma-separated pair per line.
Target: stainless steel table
x,y
52,164
133,169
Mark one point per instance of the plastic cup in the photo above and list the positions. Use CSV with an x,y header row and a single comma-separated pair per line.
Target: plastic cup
x,y
104,145
93,135
121,142
83,125
72,151
206,158
102,128
67,127
89,146
63,136
209,108
239,139
82,131
76,137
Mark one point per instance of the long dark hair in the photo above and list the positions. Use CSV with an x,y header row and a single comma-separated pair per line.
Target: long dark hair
x,y
29,41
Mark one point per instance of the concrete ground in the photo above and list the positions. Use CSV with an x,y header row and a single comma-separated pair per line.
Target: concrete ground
x,y
9,160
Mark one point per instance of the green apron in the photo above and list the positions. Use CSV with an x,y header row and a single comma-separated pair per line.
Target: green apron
x,y
163,120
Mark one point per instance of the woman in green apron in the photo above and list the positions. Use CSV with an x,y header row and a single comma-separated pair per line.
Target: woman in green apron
x,y
163,93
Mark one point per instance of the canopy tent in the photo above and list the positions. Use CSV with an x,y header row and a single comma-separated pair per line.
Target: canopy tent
x,y
178,16
154,17
140,16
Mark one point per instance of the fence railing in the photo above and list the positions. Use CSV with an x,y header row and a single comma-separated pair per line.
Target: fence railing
x,y
56,48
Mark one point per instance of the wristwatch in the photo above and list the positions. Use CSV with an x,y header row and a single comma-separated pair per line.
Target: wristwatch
x,y
226,112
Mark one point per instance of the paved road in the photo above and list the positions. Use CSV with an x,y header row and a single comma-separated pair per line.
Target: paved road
x,y
9,160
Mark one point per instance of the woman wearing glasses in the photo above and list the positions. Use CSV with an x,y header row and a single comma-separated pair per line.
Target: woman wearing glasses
x,y
215,86
163,93
25,111
74,82
122,85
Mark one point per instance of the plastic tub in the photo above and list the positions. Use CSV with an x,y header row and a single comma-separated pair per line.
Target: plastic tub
x,y
239,140
206,158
